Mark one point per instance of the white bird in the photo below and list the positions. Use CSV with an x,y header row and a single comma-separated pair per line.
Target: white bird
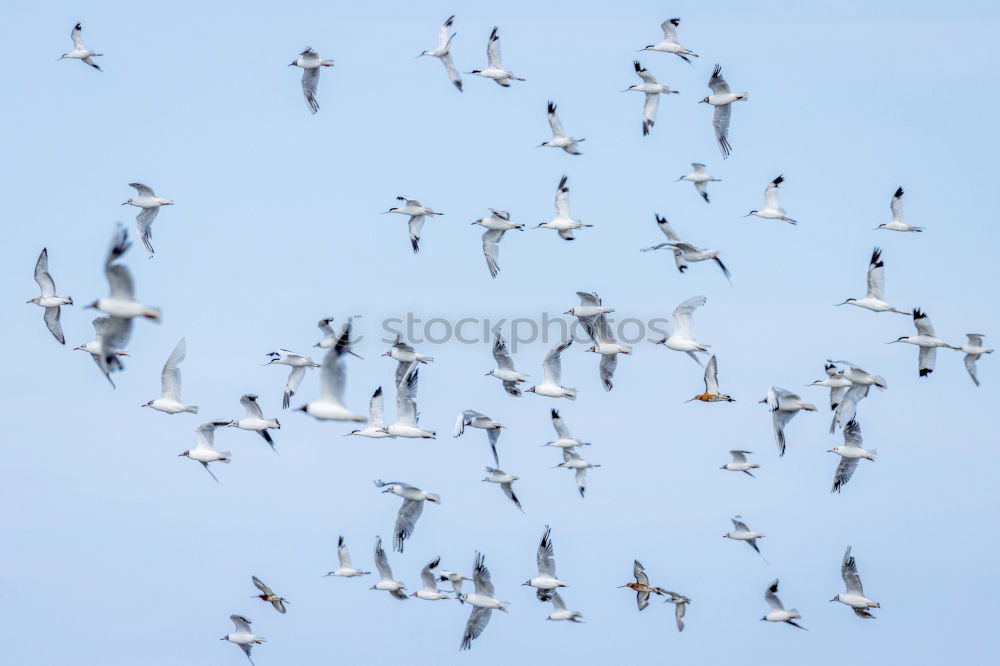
x,y
474,419
111,334
505,371
455,579
268,595
346,569
428,583
562,222
559,611
590,306
386,581
255,421
641,586
494,67
417,213
680,603
329,335
205,451
897,223
551,374
850,454
563,438
669,43
169,401
855,596
778,612
48,299
506,483
772,210
407,357
861,382
498,220
496,225
407,418
973,350
683,252
652,89
743,533
925,340
739,463
784,405
443,52
121,303
243,636
699,176
482,601
875,298
546,581
333,379
375,428
722,99
836,382
298,364
559,138
81,52
608,348
310,62
573,460
409,512
150,204
682,339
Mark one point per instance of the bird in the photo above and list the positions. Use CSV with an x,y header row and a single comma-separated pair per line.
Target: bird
x,y
443,52
375,428
121,303
861,382
407,357
346,569
685,252
875,298
329,335
409,511
682,339
850,454
150,204
743,533
641,586
711,393
498,220
669,43
417,213
562,222
428,583
559,138
778,612
699,176
590,306
563,439
551,374
386,581
474,419
48,299
254,420
897,223
169,401
546,581
739,463
855,596
784,405
573,460
652,89
111,334
333,378
406,424
243,636
455,579
310,62
772,210
973,350
482,601
205,451
492,237
81,52
925,340
559,611
608,348
680,603
836,382
722,99
506,483
298,364
494,67
505,371
268,595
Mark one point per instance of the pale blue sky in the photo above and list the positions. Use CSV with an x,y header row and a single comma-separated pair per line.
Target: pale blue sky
x,y
131,555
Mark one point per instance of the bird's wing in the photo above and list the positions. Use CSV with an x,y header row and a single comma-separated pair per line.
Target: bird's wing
x,y
557,603
491,250
603,330
712,376
852,434
682,316
310,81
896,205
552,365
607,369
75,35
51,317
562,199
144,226
324,326
381,561
581,479
669,28
679,609
739,456
444,34
545,557
779,419
771,193
333,374
343,555
508,490
926,360
720,122
259,584
427,577
717,83
975,339
699,168
845,469
557,128
478,619
481,577
406,406
406,520
667,230
449,66
293,383
923,323
416,224
143,190
562,432
643,73
970,364
493,50
771,596
640,573
876,276
119,277
249,402
375,409
500,353
849,572
588,298
242,624
170,377
642,599
42,276
739,524
848,407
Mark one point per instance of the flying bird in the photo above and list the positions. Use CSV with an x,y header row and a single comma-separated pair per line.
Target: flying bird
x,y
407,417
81,52
711,393
552,374
268,595
700,178
407,357
255,421
497,224
386,581
836,382
739,463
784,405
682,339
772,210
243,636
505,371
345,568
925,340
563,223
608,348
298,364
329,335
559,611
684,253
506,483
455,579
875,298
590,306
743,533
310,62
443,52
474,419
150,204
205,451
417,213
111,334
573,460
375,428
121,303
973,350
861,382
409,511
563,439
546,581
48,299
680,603
652,89
482,601
169,401
669,43
494,67
778,612
641,586
333,379
428,583
855,595
559,138
722,99
897,223
850,454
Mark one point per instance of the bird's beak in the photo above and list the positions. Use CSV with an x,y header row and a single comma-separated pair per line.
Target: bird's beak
x,y
473,224
124,202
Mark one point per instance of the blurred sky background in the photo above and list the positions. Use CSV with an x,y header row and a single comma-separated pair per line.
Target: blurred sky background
x,y
115,551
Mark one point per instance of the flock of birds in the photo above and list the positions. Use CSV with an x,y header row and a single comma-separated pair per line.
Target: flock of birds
x,y
848,384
